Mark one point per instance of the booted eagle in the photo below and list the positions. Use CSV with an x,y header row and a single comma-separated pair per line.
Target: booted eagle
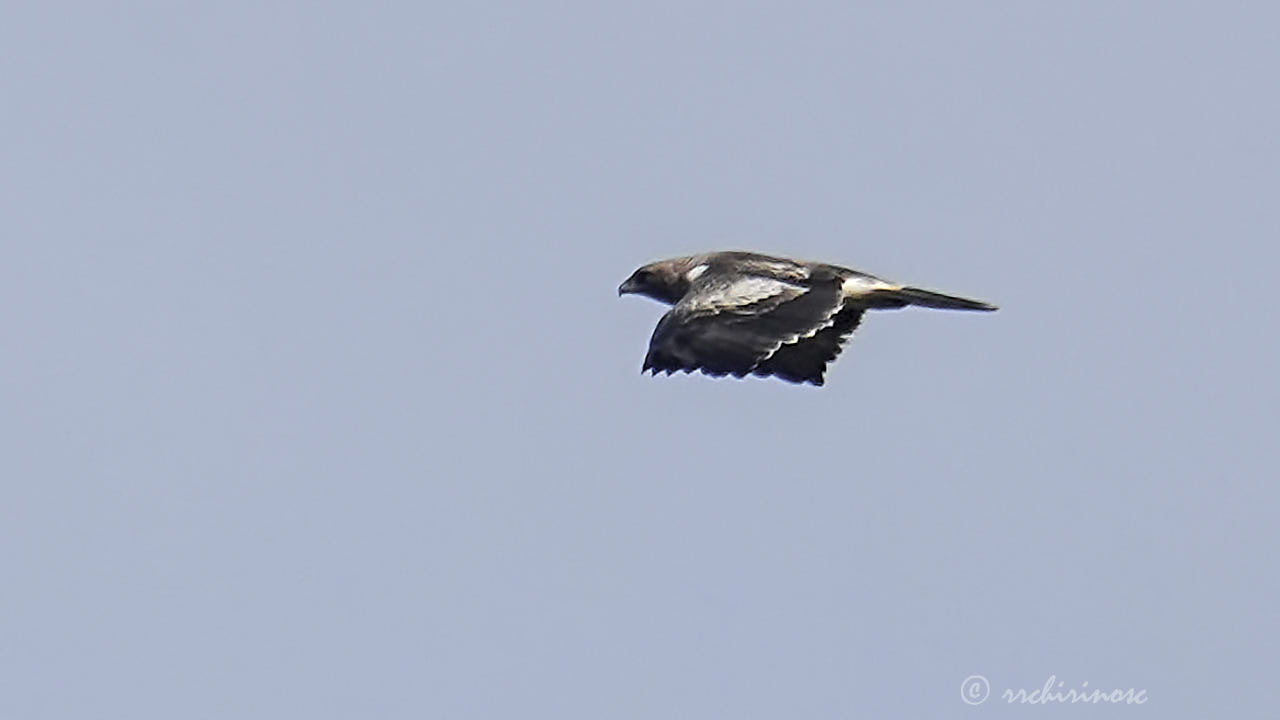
x,y
735,313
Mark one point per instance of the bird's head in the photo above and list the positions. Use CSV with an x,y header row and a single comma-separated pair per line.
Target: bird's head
x,y
665,281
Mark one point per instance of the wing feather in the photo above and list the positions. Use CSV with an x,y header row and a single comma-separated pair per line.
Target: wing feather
x,y
806,360
731,324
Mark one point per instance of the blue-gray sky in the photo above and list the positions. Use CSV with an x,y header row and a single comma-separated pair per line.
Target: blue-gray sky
x,y
318,400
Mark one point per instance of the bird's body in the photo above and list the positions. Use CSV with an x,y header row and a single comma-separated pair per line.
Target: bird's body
x,y
738,313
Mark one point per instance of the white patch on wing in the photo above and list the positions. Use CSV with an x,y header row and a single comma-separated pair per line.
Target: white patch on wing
x,y
696,272
860,285
744,291
788,268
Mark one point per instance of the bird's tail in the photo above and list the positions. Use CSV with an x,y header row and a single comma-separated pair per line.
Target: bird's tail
x,y
927,298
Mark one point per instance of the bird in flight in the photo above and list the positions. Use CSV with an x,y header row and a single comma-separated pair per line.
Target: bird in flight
x,y
738,313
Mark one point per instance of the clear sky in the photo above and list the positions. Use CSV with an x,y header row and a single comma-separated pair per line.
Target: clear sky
x,y
318,400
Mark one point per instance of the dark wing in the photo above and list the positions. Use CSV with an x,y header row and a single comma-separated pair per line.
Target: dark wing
x,y
806,360
731,324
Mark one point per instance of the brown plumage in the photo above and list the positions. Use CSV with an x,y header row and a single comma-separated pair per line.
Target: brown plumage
x,y
738,313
